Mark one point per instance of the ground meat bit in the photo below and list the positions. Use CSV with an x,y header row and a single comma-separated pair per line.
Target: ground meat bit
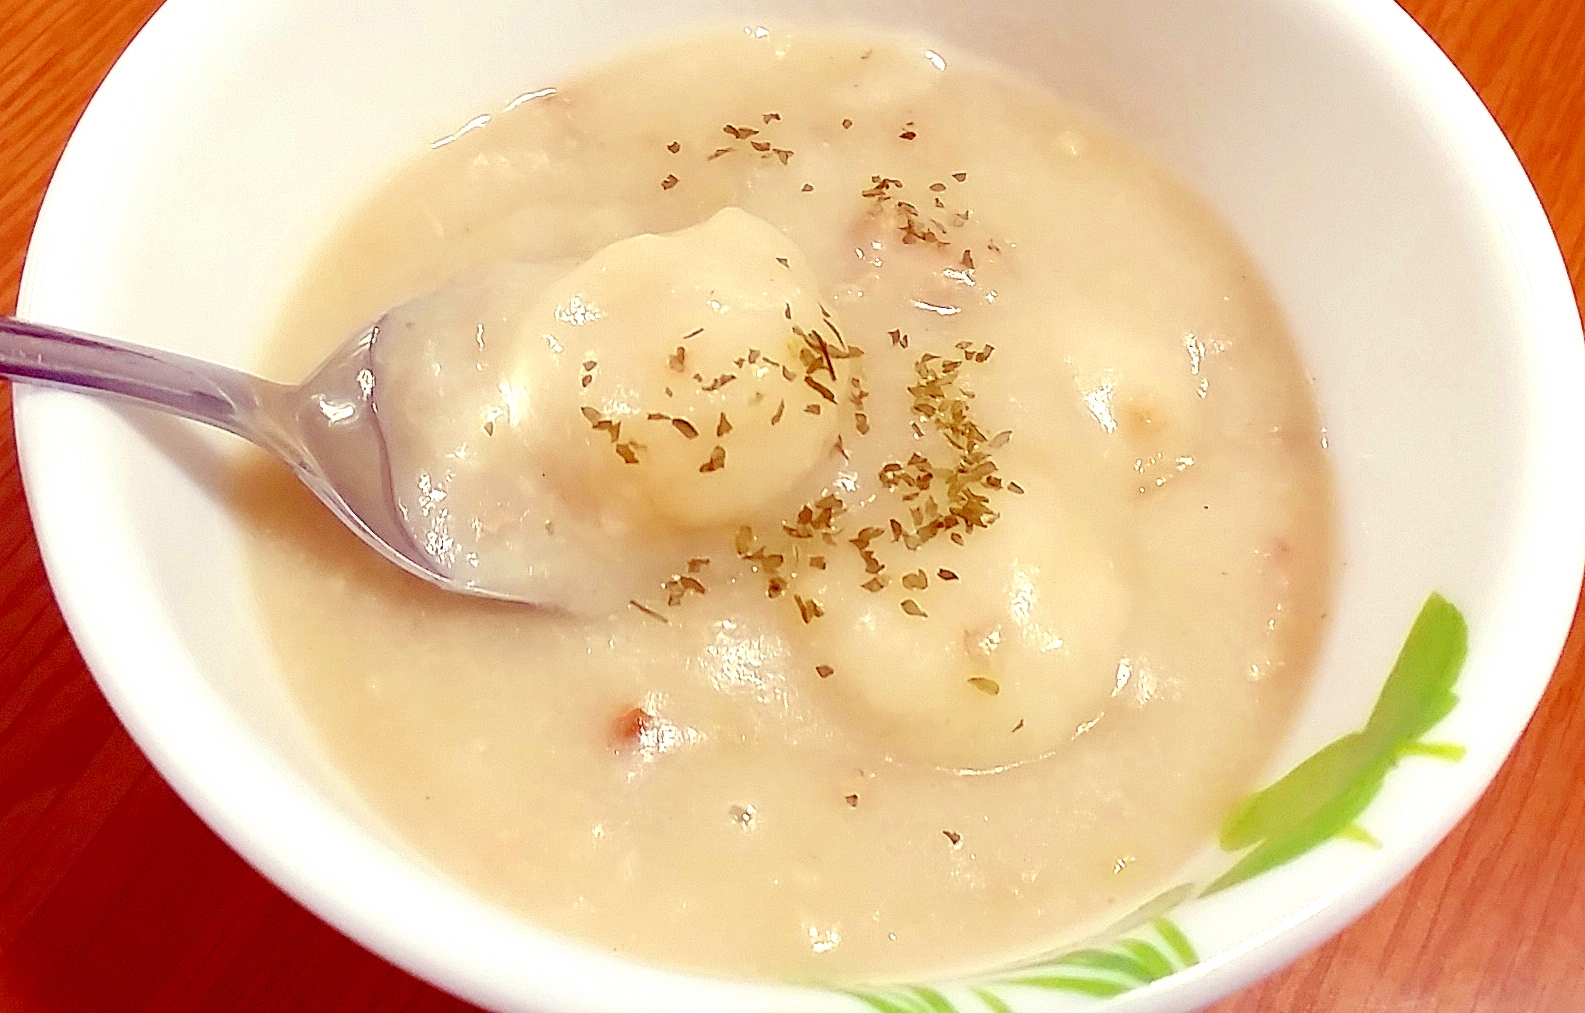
x,y
629,726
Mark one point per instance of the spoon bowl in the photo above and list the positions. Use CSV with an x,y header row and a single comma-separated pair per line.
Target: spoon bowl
x,y
326,428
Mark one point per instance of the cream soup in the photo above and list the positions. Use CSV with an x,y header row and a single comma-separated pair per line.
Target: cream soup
x,y
930,506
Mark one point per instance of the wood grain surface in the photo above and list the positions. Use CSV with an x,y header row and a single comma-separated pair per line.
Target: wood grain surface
x,y
113,896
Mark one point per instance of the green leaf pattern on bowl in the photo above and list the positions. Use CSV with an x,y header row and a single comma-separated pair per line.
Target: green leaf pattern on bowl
x,y
1323,796
1317,801
1100,972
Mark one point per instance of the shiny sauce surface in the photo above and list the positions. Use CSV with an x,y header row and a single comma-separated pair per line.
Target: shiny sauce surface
x,y
861,740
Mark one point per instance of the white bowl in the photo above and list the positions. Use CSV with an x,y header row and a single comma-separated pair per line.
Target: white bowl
x,y
1392,220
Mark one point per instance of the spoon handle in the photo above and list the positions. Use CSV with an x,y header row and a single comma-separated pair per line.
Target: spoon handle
x,y
55,357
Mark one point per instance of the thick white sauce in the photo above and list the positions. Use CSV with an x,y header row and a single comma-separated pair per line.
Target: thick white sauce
x,y
761,766
570,434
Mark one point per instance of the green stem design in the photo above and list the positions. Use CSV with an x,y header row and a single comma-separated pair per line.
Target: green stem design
x,y
932,1000
1177,941
1099,972
1452,752
1359,835
991,1002
1098,988
1106,971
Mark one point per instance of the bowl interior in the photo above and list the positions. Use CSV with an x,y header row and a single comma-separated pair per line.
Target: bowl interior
x,y
1391,220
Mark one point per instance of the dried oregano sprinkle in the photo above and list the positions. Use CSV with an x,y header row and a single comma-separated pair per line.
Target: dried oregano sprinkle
x,y
647,610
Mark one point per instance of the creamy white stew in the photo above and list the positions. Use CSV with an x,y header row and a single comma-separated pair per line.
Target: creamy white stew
x,y
927,502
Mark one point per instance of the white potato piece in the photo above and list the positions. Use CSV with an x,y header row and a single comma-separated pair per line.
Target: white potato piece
x,y
664,382
558,431
1142,392
1009,659
1142,397
438,395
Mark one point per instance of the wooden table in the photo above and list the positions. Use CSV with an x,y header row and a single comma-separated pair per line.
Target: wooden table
x,y
113,896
